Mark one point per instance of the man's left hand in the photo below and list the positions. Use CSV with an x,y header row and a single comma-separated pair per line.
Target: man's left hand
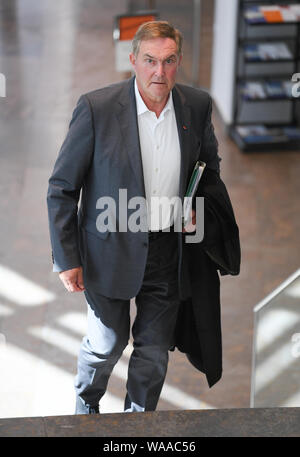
x,y
191,226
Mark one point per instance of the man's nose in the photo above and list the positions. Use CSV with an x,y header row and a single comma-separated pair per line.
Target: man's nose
x,y
160,69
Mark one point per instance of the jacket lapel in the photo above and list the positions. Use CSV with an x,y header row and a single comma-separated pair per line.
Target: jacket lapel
x,y
127,117
183,118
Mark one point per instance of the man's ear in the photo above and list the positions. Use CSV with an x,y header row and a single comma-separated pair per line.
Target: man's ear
x,y
132,59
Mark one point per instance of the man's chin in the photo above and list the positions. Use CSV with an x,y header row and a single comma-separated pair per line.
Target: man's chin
x,y
159,98
160,91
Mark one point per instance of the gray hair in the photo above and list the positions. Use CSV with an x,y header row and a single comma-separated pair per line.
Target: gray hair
x,y
156,29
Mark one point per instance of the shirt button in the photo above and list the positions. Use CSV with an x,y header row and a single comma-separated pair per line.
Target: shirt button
x,y
154,191
156,169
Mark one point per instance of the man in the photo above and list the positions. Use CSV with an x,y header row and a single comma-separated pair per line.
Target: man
x,y
142,137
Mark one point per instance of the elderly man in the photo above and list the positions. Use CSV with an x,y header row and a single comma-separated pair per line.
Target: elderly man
x,y
142,137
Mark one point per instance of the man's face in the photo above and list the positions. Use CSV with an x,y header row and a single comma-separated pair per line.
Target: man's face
x,y
155,68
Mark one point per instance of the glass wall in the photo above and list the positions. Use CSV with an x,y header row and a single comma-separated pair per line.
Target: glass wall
x,y
276,347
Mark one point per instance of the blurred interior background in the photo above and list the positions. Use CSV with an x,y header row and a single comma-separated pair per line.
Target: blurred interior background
x,y
53,51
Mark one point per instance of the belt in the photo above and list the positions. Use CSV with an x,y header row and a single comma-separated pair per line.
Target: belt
x,y
158,233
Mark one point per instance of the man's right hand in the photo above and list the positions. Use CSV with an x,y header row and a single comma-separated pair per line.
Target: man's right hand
x,y
72,279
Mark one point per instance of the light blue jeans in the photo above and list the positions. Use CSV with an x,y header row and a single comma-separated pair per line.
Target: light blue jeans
x,y
108,333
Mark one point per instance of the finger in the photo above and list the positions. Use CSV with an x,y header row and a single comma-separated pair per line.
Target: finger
x,y
73,287
80,283
70,286
189,228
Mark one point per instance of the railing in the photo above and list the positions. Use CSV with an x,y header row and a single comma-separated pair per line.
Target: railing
x,y
276,347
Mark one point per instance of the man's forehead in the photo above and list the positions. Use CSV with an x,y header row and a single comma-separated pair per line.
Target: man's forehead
x,y
158,47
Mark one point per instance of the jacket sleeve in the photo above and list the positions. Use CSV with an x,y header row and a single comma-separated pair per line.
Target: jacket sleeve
x,y
209,148
65,184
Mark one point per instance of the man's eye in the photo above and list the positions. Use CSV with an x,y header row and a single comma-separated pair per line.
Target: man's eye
x,y
150,60
169,61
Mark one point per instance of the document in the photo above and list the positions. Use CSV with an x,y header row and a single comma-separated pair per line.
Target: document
x,y
191,190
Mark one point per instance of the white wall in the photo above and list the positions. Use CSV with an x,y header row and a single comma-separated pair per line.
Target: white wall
x,y
223,61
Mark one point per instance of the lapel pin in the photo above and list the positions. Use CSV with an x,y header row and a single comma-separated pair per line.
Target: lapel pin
x,y
184,127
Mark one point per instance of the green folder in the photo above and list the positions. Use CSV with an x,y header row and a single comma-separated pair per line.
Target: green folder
x,y
191,189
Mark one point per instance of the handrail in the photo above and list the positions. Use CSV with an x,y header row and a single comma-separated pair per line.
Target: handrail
x,y
276,291
256,309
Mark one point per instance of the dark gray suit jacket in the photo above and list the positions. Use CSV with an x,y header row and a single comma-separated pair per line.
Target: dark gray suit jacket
x,y
100,155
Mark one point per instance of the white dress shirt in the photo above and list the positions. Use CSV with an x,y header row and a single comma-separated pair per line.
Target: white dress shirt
x,y
160,150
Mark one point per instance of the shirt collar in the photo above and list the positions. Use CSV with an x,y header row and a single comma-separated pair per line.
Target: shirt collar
x,y
142,108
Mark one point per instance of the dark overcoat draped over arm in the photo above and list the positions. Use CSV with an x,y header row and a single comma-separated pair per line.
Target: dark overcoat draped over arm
x,y
198,330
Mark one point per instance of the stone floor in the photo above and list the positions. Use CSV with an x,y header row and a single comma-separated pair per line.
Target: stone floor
x,y
224,423
50,53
